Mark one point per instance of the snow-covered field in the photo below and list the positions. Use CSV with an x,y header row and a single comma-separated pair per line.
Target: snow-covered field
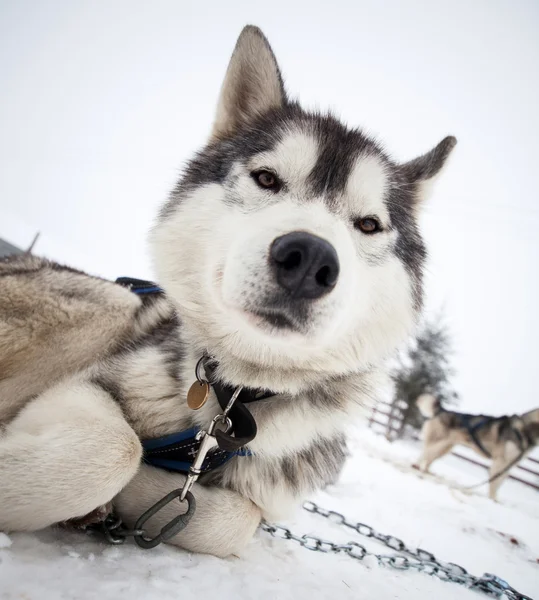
x,y
377,488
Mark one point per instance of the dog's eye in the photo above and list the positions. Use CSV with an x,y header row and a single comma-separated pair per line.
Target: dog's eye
x,y
368,225
266,180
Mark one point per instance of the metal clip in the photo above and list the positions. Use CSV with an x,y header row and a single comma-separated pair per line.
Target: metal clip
x,y
208,442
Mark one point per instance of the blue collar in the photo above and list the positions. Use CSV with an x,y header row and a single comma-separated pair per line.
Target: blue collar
x,y
176,452
139,286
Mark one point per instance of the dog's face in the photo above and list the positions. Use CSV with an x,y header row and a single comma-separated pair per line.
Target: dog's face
x,y
292,241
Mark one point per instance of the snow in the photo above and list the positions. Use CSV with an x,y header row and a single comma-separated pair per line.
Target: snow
x,y
377,487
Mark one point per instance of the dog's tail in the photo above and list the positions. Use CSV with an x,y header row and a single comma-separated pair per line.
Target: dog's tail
x,y
531,425
531,416
428,405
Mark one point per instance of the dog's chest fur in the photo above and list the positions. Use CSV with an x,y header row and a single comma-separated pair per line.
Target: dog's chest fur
x,y
300,445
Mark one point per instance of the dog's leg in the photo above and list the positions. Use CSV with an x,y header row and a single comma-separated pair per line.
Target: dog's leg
x,y
68,452
223,523
432,452
496,466
499,463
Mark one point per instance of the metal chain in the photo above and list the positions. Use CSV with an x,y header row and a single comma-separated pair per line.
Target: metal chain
x,y
114,530
415,559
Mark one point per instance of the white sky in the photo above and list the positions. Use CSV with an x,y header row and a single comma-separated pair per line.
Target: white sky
x,y
102,101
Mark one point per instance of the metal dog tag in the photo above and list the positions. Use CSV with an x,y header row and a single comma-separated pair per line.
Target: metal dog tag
x,y
198,394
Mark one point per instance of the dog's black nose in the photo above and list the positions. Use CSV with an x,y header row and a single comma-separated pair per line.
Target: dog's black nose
x,y
305,265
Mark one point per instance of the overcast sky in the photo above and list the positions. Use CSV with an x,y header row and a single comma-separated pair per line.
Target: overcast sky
x,y
102,102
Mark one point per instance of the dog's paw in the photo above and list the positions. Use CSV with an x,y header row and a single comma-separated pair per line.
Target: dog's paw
x,y
98,515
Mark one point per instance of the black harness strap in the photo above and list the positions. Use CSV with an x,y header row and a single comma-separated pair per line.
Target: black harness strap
x,y
243,423
465,421
472,430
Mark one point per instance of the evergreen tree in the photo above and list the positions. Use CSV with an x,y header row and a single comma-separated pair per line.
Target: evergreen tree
x,y
424,367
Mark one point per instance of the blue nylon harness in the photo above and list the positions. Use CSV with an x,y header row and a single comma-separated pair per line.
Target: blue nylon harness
x,y
176,451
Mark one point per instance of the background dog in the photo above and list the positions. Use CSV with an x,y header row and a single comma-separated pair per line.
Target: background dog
x,y
289,251
505,440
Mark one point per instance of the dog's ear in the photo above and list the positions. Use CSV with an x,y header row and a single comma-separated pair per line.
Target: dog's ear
x,y
252,86
423,171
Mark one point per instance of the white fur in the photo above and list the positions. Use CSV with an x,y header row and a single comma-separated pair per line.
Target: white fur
x,y
67,452
218,269
426,403
293,159
367,188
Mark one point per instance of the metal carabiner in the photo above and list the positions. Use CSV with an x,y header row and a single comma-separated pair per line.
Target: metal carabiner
x,y
207,443
170,529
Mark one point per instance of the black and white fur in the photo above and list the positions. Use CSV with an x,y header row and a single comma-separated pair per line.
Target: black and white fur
x,y
87,369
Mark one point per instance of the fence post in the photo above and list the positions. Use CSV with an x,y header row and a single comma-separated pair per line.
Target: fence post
x,y
373,412
390,422
402,421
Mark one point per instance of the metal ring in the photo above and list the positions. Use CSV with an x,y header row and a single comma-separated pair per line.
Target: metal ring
x,y
200,363
223,419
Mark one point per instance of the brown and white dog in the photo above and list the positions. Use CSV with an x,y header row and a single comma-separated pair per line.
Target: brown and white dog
x,y
505,440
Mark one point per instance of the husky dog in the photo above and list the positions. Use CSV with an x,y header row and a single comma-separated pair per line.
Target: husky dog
x,y
505,440
289,251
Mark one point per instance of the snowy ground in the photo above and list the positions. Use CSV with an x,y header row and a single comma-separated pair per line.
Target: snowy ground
x,y
377,488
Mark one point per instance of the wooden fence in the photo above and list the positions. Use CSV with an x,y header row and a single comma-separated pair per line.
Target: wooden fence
x,y
387,419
